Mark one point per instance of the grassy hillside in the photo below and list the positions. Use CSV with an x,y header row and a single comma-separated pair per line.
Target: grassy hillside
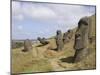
x,y
46,58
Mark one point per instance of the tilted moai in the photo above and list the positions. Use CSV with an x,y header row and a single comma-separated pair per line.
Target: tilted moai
x,y
81,40
67,36
43,41
59,40
27,45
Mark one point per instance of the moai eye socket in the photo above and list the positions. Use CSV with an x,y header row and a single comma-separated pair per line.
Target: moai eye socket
x,y
78,35
83,22
58,31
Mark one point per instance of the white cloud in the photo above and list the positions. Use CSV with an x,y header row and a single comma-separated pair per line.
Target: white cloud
x,y
55,16
42,13
62,14
71,13
30,10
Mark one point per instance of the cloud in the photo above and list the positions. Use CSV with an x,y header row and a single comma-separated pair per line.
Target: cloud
x,y
43,19
59,13
33,11
39,12
71,13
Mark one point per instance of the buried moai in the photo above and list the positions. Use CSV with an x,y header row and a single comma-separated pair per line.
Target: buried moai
x,y
67,36
59,40
43,41
27,45
81,40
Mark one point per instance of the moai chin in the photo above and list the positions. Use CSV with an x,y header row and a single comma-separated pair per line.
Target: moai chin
x,y
59,40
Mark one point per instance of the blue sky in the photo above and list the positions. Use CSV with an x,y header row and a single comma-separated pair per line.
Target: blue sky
x,y
31,20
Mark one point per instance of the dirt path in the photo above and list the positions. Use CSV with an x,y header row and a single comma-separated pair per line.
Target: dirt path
x,y
55,64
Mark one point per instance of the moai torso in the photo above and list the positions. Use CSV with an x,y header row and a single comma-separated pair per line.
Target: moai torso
x,y
67,36
27,45
59,40
78,42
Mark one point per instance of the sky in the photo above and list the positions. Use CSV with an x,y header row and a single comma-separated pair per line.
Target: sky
x,y
33,19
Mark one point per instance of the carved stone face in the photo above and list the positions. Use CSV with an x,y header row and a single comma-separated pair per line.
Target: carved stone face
x,y
84,21
58,32
81,36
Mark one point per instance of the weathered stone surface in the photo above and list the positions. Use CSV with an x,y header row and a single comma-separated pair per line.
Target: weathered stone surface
x,y
81,39
43,41
80,54
78,42
92,39
92,29
67,36
27,45
59,40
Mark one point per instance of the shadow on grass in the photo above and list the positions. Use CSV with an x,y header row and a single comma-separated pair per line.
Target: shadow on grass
x,y
68,59
40,45
55,49
24,50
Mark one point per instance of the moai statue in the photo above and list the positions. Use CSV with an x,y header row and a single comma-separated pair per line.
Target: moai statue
x,y
92,29
81,40
67,36
70,34
27,45
59,40
43,41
